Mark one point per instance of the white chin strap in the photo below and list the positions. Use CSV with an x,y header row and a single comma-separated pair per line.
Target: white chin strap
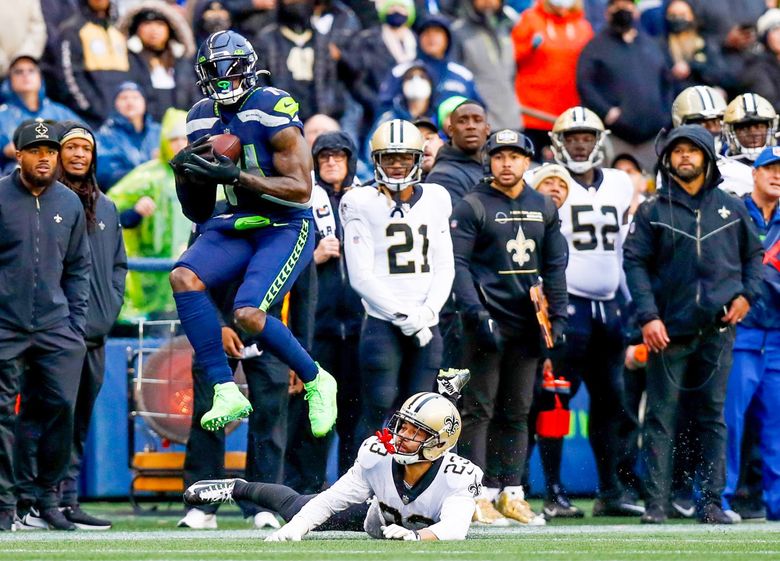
x,y
407,459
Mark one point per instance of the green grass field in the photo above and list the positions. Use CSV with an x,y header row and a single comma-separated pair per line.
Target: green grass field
x,y
155,538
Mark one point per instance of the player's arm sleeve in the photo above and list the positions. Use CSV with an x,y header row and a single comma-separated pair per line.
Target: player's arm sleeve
x,y
119,271
455,519
350,489
359,252
556,257
464,229
76,269
442,259
638,256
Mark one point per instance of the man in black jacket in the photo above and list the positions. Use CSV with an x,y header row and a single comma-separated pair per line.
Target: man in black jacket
x,y
693,265
106,292
505,237
44,288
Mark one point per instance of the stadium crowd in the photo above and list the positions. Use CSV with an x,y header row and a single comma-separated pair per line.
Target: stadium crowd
x,y
623,152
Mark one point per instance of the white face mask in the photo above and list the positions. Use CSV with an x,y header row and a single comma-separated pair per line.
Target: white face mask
x,y
417,88
566,4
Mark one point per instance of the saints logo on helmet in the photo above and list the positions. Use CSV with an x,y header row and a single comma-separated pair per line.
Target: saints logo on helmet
x,y
747,109
225,66
437,422
393,138
696,104
578,119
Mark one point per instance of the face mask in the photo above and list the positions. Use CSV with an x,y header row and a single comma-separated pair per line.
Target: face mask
x,y
417,88
678,25
395,19
565,4
622,20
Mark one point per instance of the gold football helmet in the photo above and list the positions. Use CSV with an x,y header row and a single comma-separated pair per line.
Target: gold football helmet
x,y
397,137
578,119
437,422
744,109
697,103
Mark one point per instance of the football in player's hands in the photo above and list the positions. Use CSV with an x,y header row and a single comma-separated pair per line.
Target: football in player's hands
x,y
228,145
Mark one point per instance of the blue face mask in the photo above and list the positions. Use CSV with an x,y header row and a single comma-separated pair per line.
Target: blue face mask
x,y
396,19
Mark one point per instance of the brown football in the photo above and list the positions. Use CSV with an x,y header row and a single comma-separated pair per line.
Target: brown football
x,y
226,145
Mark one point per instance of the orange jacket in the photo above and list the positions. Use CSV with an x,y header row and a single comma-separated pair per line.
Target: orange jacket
x,y
546,74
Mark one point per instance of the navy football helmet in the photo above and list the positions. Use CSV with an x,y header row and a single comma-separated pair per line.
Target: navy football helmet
x,y
226,67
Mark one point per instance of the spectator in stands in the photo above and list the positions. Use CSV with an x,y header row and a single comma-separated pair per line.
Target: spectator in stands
x,y
622,76
317,125
693,59
153,223
339,310
338,22
24,33
548,39
159,36
106,291
376,50
128,138
432,144
25,98
92,62
762,75
248,16
210,16
482,44
693,265
41,330
458,166
299,60
433,53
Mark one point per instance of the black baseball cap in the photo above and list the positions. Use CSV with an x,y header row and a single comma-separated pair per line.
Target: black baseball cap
x,y
31,133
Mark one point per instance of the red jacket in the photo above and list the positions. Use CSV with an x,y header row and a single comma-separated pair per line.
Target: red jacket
x,y
546,74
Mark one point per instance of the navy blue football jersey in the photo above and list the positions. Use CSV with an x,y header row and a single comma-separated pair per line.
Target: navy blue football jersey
x,y
261,114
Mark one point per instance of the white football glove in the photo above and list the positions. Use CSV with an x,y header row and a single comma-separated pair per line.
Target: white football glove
x,y
290,532
396,532
423,337
414,321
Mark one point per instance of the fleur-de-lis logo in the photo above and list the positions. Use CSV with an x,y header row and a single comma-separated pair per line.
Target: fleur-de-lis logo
x,y
42,130
475,488
522,248
57,218
451,425
724,212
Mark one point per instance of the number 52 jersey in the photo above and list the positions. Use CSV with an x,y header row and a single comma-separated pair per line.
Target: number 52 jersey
x,y
399,256
592,222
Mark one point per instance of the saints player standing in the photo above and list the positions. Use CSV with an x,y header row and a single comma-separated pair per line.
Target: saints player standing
x,y
399,258
266,238
418,490
591,221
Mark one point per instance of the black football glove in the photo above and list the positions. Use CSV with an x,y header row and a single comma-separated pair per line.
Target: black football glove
x,y
487,333
198,148
223,170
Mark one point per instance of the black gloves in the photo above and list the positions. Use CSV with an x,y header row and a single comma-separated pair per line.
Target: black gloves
x,y
486,329
190,163
185,155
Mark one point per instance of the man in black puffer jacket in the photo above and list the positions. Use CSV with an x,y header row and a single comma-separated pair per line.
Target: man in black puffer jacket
x,y
693,265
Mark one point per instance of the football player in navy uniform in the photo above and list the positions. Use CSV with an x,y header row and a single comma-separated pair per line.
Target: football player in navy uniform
x,y
418,489
266,238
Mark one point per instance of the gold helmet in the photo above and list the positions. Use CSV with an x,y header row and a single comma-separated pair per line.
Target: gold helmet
x,y
578,119
437,422
697,103
744,109
397,137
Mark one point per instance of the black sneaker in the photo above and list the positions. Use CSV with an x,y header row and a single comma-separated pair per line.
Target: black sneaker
x,y
558,505
48,519
682,508
654,514
617,507
84,521
713,514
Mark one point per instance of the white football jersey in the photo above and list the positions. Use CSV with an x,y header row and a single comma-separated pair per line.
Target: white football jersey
x,y
737,177
398,258
443,500
591,221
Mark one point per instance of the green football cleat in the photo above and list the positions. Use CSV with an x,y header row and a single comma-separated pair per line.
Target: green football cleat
x,y
321,395
229,405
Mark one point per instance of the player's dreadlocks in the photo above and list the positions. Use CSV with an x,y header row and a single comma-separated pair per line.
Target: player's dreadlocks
x,y
85,186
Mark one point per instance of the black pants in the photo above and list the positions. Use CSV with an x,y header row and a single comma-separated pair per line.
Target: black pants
x,y
495,407
392,369
698,369
92,373
267,378
50,362
595,354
